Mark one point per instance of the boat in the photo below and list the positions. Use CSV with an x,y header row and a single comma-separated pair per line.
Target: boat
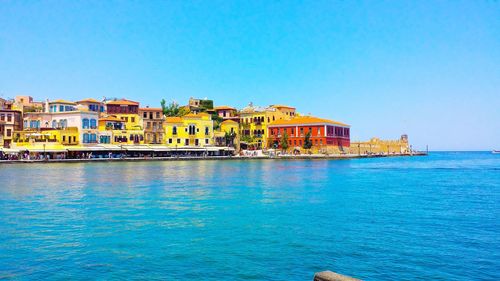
x,y
495,151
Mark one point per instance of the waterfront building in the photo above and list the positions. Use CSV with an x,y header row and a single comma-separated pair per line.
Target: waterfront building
x,y
10,121
91,105
49,137
126,110
152,119
113,130
84,121
326,136
60,106
378,146
254,121
191,130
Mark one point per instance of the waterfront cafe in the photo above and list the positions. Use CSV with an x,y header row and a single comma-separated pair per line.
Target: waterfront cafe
x,y
102,151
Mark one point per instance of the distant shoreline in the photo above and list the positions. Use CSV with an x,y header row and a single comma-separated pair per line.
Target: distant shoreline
x,y
212,158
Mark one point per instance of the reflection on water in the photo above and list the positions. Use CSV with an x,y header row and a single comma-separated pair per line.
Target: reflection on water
x,y
422,217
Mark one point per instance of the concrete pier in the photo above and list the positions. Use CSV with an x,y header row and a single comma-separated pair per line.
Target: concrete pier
x,y
332,276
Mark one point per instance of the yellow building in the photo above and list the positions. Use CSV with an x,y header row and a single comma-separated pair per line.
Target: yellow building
x,y
191,130
113,130
254,121
228,134
126,110
46,140
378,146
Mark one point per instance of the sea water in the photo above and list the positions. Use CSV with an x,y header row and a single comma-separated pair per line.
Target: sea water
x,y
402,218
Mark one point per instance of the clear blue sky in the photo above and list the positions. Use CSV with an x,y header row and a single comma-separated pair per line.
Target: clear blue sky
x,y
428,69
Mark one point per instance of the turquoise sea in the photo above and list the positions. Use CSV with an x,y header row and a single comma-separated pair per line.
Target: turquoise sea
x,y
404,218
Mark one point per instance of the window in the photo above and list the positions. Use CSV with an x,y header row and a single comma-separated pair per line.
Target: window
x,y
132,119
64,138
61,108
178,141
157,115
9,132
169,140
207,130
9,117
2,117
93,123
174,130
206,141
145,115
54,124
85,138
85,122
301,131
186,142
196,142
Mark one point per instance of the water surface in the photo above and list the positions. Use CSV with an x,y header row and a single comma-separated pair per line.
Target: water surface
x,y
434,217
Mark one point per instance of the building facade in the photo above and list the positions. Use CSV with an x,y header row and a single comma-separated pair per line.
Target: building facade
x,y
326,136
85,121
254,121
152,122
191,130
10,121
126,110
91,105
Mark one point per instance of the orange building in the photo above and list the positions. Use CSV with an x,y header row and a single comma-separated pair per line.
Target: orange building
x,y
324,133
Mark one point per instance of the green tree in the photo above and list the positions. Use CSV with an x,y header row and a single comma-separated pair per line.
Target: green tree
x,y
173,109
217,120
307,141
284,141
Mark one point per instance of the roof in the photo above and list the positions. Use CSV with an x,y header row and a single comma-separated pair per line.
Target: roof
x,y
306,120
88,100
122,102
224,107
193,115
150,109
63,101
228,121
111,118
173,119
282,106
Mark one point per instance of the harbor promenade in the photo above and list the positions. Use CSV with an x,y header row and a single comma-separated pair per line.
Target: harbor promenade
x,y
206,157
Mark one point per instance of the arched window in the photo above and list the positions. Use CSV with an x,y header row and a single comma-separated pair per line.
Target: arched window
x,y
174,130
85,123
93,123
85,138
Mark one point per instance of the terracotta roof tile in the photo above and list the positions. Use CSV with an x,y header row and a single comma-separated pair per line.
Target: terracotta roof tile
x,y
306,120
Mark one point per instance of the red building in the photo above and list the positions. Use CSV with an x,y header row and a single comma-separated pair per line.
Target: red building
x,y
324,133
122,107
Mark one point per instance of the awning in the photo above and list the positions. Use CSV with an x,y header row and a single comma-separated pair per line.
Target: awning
x,y
137,148
9,150
160,148
48,150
